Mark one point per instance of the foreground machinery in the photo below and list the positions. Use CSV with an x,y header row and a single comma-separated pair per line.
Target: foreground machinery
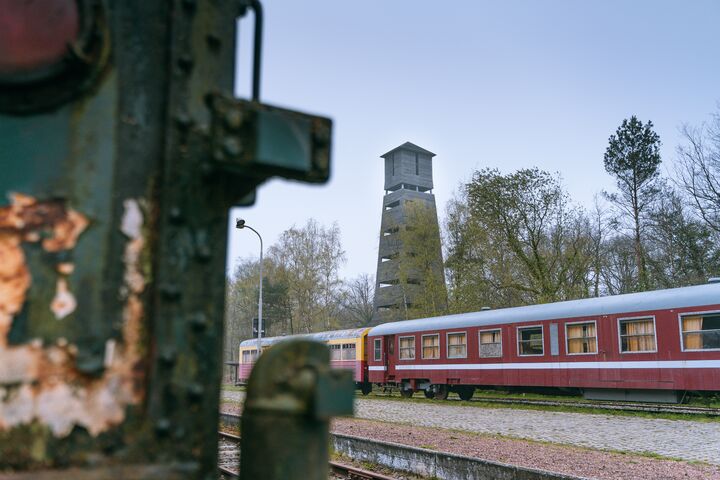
x,y
121,152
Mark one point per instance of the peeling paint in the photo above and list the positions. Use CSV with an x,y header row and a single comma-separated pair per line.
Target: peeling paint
x,y
64,302
65,268
40,383
132,220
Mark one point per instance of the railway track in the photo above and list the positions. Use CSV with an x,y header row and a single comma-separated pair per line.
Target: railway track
x,y
590,405
229,456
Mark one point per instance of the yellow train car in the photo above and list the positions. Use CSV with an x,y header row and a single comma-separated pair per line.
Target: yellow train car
x,y
347,350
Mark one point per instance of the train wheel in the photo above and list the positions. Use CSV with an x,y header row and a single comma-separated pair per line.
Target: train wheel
x,y
366,388
441,392
407,393
429,393
465,393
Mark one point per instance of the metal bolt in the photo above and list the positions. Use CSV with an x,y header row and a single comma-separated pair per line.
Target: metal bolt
x,y
167,357
199,321
321,134
195,391
203,253
213,42
162,426
206,169
232,146
183,120
233,119
170,291
202,249
175,214
93,365
218,155
185,62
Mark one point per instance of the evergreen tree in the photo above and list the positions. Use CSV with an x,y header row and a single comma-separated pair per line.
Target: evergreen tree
x,y
633,157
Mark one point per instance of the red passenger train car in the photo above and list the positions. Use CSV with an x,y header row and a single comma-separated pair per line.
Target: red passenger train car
x,y
640,346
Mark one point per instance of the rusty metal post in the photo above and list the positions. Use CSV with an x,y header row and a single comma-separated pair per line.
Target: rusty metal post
x,y
121,153
292,393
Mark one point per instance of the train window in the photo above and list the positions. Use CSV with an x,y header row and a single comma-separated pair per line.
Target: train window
x,y
378,349
335,352
701,331
248,356
490,343
581,338
530,341
637,335
457,345
348,351
407,348
431,346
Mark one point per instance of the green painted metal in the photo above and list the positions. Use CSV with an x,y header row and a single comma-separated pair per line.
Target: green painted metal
x,y
292,393
252,139
111,207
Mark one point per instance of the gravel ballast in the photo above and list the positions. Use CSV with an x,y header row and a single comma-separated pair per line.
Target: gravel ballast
x,y
555,458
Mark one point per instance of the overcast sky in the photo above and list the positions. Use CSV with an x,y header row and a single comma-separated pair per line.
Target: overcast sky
x,y
502,84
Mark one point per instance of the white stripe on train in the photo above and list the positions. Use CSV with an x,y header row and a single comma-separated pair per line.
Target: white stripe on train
x,y
649,364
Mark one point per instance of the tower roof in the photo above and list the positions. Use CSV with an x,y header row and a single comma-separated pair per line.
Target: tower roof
x,y
409,146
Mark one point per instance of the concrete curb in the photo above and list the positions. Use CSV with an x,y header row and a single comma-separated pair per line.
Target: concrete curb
x,y
430,463
435,464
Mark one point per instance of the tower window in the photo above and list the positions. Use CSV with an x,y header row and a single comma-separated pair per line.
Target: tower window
x,y
417,164
392,157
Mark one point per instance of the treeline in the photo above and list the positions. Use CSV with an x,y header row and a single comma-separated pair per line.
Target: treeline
x,y
302,291
511,239
516,239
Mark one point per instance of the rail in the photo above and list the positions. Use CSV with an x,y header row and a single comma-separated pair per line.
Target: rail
x,y
411,459
594,405
337,468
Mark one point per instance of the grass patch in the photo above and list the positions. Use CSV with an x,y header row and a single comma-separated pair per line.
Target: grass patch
x,y
233,388
374,467
419,397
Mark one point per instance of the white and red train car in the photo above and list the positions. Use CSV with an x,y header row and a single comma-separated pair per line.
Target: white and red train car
x,y
347,350
640,346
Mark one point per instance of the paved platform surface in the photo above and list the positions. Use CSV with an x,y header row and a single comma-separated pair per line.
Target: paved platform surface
x,y
686,440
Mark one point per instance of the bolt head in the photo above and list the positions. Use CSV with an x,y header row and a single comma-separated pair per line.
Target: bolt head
x,y
232,147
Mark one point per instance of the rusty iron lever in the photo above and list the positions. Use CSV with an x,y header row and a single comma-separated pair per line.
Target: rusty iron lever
x,y
292,394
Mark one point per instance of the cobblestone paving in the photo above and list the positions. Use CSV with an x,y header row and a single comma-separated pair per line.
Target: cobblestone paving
x,y
671,438
686,440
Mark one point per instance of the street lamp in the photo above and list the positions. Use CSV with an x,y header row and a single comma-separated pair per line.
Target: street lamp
x,y
240,223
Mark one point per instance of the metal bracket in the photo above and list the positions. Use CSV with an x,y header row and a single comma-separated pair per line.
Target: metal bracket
x,y
258,140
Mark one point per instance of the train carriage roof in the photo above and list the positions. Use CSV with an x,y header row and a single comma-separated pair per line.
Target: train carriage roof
x,y
701,295
350,334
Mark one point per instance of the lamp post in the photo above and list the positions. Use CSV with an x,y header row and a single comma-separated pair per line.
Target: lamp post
x,y
240,223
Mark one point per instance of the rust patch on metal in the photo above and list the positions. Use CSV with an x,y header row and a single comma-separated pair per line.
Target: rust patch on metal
x,y
14,281
40,383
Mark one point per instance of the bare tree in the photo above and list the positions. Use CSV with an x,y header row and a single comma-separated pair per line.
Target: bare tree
x,y
357,301
307,259
681,248
600,227
698,169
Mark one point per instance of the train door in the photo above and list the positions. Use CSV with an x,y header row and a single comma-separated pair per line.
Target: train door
x,y
389,357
